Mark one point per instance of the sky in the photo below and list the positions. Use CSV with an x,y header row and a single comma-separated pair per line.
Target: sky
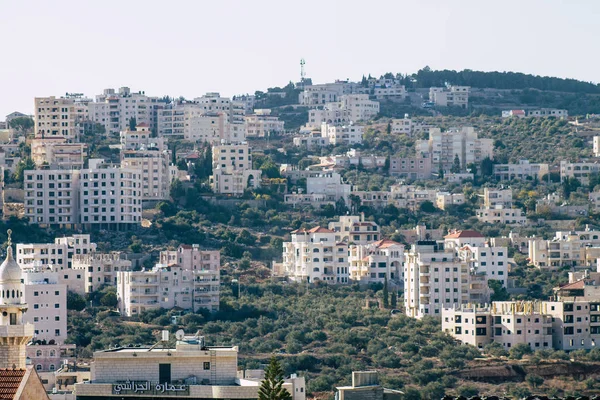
x,y
190,47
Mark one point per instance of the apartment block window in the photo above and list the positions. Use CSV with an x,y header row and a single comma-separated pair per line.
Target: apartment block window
x,y
206,365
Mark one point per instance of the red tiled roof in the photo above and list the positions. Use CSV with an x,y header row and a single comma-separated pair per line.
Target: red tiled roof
x,y
385,243
316,229
464,234
142,125
10,380
574,285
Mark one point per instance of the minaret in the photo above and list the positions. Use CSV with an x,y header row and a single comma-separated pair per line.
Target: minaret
x,y
14,334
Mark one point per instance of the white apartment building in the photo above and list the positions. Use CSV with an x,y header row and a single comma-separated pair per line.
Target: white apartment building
x,y
59,254
59,118
377,261
213,102
167,287
579,170
497,197
263,124
342,135
355,158
354,229
505,322
402,126
501,215
513,113
310,141
314,95
330,185
47,300
114,110
410,196
349,109
523,170
192,257
315,255
445,199
445,146
151,159
576,248
548,112
232,169
418,167
391,91
56,153
99,269
377,199
596,146
450,96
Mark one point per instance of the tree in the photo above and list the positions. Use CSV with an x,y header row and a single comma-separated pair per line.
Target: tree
x,y
388,129
21,124
25,164
534,380
75,301
386,296
271,387
394,300
427,206
455,169
109,300
132,123
519,350
500,293
486,167
467,391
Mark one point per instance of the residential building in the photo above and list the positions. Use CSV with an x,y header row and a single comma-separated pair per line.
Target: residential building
x,y
377,199
463,143
263,124
189,369
578,170
310,141
52,197
354,158
330,185
349,109
501,215
513,113
594,198
355,230
115,109
402,126
392,91
410,196
365,386
450,96
167,287
347,135
576,248
315,255
232,169
47,299
314,95
212,102
497,197
151,158
100,269
56,153
523,170
548,112
596,146
59,118
413,168
445,199
50,357
376,262
59,254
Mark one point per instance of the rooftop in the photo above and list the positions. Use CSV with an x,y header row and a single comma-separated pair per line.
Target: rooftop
x,y
464,234
10,381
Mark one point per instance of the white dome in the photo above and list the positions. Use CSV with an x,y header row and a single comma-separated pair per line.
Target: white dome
x,y
10,272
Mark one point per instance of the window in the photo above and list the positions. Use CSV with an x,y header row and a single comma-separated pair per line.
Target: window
x,y
206,365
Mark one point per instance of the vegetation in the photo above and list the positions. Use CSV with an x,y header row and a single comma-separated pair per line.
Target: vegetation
x,y
271,387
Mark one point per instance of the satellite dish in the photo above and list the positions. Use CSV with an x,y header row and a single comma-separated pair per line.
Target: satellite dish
x,y
179,334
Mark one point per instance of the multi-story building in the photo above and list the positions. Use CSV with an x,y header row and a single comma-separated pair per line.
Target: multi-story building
x,y
505,322
596,146
330,185
389,91
450,96
151,159
349,109
56,153
354,158
576,248
314,95
189,369
548,112
59,118
413,168
497,197
342,135
594,198
232,169
445,146
167,287
52,197
354,229
100,269
523,170
445,199
213,102
402,126
579,170
192,257
115,110
47,299
377,261
59,254
263,124
315,255
501,215
377,199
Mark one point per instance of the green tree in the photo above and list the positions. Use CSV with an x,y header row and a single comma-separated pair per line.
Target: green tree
x,y
21,124
271,387
534,380
25,164
132,123
388,129
386,296
109,300
455,169
500,292
75,301
486,167
467,391
394,300
519,350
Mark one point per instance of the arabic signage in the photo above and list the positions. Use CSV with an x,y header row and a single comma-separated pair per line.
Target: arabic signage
x,y
150,388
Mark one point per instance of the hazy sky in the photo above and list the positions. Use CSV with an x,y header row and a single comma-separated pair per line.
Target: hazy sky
x,y
237,46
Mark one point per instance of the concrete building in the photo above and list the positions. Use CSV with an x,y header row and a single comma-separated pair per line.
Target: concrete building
x,y
50,357
263,124
232,169
445,146
115,109
349,109
445,199
354,158
47,299
377,261
501,215
365,386
411,196
548,112
402,126
497,197
100,269
330,185
151,158
190,370
315,255
347,135
59,118
579,170
513,113
596,146
59,254
167,287
573,249
56,153
394,91
522,171
192,258
450,96
413,168
314,95
355,230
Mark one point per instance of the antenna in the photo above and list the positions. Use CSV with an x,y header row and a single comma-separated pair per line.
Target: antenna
x,y
302,73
